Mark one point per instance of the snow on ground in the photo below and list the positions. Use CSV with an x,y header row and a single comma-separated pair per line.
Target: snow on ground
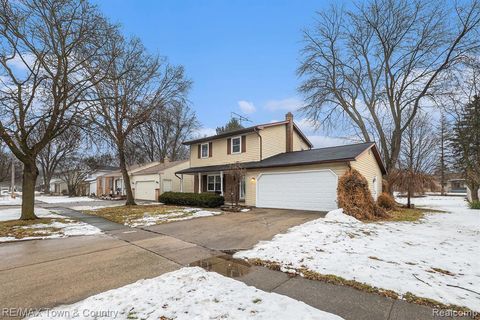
x,y
14,214
176,215
67,229
189,293
6,200
63,199
400,256
96,207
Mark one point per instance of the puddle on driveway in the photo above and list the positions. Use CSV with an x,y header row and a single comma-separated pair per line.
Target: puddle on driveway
x,y
225,265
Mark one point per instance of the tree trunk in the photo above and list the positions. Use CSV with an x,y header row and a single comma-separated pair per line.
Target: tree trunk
x,y
474,192
126,178
30,174
46,183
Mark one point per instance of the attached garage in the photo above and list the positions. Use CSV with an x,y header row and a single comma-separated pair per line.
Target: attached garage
x,y
302,190
145,190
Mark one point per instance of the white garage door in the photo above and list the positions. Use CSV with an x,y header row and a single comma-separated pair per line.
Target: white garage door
x,y
145,190
304,190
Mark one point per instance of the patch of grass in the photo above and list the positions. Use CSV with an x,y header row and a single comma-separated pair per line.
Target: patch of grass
x,y
446,272
412,298
474,204
128,214
20,229
337,280
407,214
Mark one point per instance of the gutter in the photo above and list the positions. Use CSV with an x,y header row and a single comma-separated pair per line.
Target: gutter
x,y
261,142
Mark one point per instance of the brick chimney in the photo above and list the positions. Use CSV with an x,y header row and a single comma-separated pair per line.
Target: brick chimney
x,y
289,118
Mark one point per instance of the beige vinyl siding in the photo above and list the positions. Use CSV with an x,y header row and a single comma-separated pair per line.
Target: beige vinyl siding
x,y
169,174
274,140
298,142
368,166
250,192
220,156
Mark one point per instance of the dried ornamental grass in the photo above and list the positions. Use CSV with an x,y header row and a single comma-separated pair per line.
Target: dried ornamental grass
x,y
355,198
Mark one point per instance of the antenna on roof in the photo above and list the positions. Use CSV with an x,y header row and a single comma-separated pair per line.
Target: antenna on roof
x,y
239,117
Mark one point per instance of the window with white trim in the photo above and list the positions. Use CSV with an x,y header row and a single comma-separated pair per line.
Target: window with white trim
x,y
204,150
213,183
236,145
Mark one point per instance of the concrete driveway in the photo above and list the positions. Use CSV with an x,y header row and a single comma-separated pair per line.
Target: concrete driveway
x,y
236,231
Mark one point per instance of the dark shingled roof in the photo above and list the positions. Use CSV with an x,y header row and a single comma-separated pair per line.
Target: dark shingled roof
x,y
322,155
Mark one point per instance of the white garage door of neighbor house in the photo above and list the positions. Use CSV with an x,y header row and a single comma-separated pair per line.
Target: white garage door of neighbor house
x,y
303,190
145,190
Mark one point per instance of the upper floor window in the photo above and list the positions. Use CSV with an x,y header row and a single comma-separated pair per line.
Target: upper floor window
x,y
204,150
236,144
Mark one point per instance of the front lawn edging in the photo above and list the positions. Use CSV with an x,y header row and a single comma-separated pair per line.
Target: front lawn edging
x,y
337,280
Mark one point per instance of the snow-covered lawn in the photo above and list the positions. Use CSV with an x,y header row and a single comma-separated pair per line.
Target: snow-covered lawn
x,y
150,214
63,199
188,293
175,215
436,257
57,227
6,200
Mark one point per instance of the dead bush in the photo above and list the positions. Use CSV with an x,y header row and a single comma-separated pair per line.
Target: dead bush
x,y
355,198
386,201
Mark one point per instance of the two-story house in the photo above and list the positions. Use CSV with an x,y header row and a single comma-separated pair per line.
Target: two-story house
x,y
281,168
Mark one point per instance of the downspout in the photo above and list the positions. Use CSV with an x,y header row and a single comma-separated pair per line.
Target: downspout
x,y
261,141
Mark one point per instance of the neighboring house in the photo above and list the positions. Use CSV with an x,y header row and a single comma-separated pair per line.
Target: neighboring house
x,y
457,185
281,169
92,178
148,183
58,186
112,182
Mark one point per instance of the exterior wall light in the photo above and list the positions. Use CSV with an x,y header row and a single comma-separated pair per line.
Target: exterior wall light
x,y
252,180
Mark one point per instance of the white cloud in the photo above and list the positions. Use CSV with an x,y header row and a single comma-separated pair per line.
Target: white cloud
x,y
22,65
247,106
307,125
205,132
288,104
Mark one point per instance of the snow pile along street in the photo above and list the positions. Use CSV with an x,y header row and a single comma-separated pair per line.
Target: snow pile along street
x,y
188,293
435,258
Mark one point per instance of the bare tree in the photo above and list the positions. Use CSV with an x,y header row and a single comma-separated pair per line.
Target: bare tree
x,y
418,158
163,134
73,170
136,85
376,65
236,172
55,152
43,47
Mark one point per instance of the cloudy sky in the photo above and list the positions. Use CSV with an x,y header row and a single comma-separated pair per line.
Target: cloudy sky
x,y
242,55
